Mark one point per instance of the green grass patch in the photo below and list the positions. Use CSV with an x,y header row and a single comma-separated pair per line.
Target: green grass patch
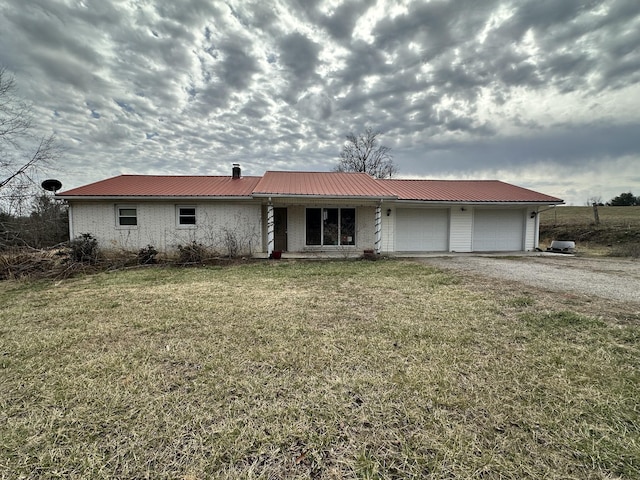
x,y
522,301
343,369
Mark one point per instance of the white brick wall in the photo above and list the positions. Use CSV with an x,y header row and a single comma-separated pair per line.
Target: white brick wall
x,y
158,225
366,228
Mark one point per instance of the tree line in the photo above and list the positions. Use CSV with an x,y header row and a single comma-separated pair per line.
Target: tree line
x,y
45,226
626,199
28,217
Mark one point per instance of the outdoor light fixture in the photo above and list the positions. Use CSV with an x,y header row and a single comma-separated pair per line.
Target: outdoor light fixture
x,y
533,214
388,212
462,209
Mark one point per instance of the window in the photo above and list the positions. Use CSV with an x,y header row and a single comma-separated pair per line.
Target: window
x,y
314,226
331,226
186,216
127,216
347,226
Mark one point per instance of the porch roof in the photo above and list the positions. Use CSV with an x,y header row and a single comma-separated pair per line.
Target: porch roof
x,y
321,184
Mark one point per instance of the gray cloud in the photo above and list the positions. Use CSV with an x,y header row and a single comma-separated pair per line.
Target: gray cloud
x,y
342,21
564,145
299,55
457,87
238,66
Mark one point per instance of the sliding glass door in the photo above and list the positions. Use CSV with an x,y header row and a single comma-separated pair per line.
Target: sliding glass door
x,y
331,226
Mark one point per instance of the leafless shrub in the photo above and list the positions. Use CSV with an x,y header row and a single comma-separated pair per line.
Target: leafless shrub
x,y
193,253
232,244
84,249
147,255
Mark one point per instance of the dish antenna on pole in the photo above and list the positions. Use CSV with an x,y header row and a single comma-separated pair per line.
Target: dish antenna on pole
x,y
52,185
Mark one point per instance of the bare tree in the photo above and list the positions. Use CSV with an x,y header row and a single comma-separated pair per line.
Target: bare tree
x,y
21,151
363,153
597,199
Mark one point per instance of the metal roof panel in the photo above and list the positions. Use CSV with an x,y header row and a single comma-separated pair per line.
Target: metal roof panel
x,y
166,186
330,184
464,191
312,184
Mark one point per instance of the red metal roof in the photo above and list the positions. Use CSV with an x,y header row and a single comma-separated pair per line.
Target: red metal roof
x,y
331,184
327,184
167,186
464,191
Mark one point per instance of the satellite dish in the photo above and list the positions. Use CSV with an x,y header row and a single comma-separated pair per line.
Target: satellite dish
x,y
52,185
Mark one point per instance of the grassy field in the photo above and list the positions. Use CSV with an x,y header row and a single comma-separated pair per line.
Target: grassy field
x,y
331,370
618,232
628,217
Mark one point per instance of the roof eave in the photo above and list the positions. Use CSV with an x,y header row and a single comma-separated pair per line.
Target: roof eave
x,y
325,197
130,198
483,202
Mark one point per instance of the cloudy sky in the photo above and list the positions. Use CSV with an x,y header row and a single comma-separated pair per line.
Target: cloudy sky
x,y
541,93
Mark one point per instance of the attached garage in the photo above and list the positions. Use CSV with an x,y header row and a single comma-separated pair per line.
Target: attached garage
x,y
422,230
498,230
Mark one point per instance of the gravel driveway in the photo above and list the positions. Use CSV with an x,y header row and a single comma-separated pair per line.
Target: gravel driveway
x,y
611,278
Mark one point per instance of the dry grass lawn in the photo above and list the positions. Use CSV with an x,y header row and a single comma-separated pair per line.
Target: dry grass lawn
x,y
612,216
346,369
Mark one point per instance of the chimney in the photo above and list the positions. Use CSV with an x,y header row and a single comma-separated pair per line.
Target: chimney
x,y
235,171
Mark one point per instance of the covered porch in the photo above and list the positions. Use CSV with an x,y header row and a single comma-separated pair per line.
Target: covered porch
x,y
327,227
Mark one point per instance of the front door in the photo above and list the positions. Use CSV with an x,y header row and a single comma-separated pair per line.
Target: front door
x,y
280,229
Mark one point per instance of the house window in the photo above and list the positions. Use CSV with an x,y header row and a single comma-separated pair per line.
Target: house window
x,y
186,216
331,226
127,216
314,226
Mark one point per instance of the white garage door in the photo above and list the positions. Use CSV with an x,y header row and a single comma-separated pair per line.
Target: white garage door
x,y
498,230
420,230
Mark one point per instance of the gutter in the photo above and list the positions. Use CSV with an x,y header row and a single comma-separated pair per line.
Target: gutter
x,y
464,202
260,196
323,197
145,198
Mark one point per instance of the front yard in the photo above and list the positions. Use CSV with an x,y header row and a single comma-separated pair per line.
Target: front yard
x,y
344,369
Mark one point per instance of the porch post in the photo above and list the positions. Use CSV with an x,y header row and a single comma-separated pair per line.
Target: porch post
x,y
270,229
378,228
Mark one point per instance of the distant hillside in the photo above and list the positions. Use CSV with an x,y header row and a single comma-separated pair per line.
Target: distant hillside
x,y
619,228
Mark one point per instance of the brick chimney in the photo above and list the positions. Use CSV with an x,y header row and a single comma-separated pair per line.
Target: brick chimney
x,y
235,171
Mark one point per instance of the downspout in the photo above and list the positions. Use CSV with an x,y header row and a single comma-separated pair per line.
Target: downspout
x,y
378,246
270,229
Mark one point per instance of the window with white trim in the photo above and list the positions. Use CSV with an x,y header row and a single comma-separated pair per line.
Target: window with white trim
x,y
127,216
186,216
330,226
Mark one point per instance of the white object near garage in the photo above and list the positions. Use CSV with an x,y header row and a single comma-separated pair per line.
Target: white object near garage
x,y
422,229
562,246
498,230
